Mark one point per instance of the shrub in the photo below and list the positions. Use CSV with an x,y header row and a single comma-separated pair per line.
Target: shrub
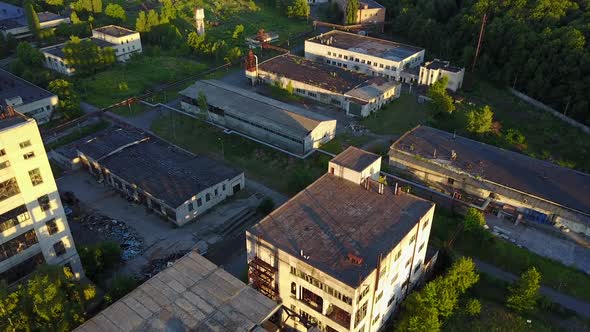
x,y
266,206
474,220
99,258
473,307
120,286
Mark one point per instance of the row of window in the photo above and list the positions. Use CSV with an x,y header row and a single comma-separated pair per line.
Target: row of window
x,y
14,217
320,285
363,61
207,198
18,245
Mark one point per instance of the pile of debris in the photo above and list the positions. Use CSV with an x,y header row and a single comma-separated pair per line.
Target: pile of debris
x,y
159,264
116,231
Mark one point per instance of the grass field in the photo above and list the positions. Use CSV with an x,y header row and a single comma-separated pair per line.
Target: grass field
x,y
399,116
275,169
133,78
510,258
130,111
342,141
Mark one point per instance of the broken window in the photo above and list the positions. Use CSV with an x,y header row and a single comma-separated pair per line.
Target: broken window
x,y
199,202
25,144
8,189
207,197
44,202
60,248
5,164
13,217
51,227
190,207
29,155
18,244
2,152
35,176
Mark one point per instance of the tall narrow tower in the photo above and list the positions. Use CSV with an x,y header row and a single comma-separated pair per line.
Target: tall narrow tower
x,y
200,20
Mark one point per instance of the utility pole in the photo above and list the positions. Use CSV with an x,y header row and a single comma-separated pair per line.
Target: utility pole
x,y
480,39
222,151
569,98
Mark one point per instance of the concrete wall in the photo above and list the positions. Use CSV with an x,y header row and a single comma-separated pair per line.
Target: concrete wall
x,y
438,176
364,14
347,59
322,134
430,76
371,171
19,168
224,189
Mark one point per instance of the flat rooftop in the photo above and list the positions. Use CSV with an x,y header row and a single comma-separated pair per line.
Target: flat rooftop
x,y
11,23
115,31
12,86
48,17
58,50
191,295
380,48
289,119
334,217
355,158
164,171
539,178
327,77
437,64
7,121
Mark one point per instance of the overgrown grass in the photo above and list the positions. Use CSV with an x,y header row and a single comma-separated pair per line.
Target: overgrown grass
x,y
134,78
399,116
130,111
510,257
342,141
276,169
77,134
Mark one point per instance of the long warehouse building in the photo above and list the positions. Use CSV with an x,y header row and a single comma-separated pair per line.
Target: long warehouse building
x,y
273,122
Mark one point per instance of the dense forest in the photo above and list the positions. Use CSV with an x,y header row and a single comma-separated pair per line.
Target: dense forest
x,y
537,46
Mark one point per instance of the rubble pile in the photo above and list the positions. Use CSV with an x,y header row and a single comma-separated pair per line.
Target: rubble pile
x,y
159,264
117,231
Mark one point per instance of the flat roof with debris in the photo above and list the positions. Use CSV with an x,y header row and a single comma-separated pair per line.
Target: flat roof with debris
x,y
167,173
7,121
333,218
325,76
438,64
380,48
246,104
115,31
355,158
49,16
12,86
564,186
191,295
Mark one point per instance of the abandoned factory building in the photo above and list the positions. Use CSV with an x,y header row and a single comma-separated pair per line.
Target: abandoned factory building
x,y
345,251
273,122
508,184
356,93
172,182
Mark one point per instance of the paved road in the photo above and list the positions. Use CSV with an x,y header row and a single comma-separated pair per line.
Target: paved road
x,y
579,306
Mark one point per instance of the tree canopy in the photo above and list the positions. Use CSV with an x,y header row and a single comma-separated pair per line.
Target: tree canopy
x,y
32,19
479,121
473,220
441,101
525,292
115,11
299,8
352,8
86,57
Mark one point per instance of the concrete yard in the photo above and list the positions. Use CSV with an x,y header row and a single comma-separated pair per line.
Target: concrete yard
x,y
546,243
161,238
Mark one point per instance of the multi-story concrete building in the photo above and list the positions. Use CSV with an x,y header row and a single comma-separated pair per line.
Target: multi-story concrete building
x,y
344,252
124,43
26,98
370,11
13,21
357,94
507,184
264,119
432,71
33,226
368,55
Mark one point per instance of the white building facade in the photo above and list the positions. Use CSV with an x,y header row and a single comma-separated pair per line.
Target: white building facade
x,y
33,225
125,42
338,297
432,71
26,98
368,55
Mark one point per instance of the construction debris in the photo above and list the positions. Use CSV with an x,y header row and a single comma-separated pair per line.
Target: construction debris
x,y
116,231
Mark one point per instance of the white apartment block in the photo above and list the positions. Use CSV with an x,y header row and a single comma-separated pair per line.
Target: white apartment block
x,y
26,98
432,71
344,252
33,226
371,56
355,93
124,43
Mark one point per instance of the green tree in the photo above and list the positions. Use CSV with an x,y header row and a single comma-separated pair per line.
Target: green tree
x,y
141,22
352,8
479,121
441,101
266,206
238,31
153,19
195,42
97,6
218,49
474,220
299,8
51,300
69,102
32,19
233,54
115,11
202,102
167,12
120,286
55,3
74,18
473,307
99,258
8,45
289,88
29,55
523,295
